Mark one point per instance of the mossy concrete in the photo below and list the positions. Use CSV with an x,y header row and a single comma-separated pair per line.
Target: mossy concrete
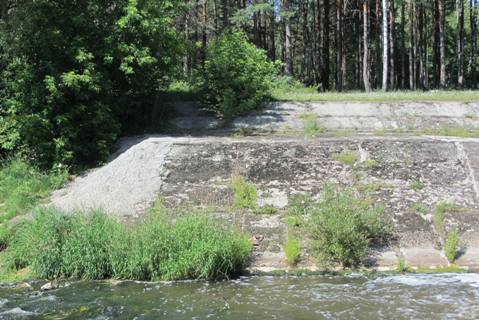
x,y
195,174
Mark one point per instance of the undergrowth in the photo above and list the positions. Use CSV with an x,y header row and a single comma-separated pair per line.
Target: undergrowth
x,y
345,228
22,186
95,246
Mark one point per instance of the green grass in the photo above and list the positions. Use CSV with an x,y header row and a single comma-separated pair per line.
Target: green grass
x,y
292,250
419,207
265,210
451,245
460,132
310,125
449,269
370,164
438,219
93,246
348,158
245,193
22,186
402,266
311,94
417,185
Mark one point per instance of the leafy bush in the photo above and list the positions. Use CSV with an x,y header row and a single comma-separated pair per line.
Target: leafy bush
x,y
77,74
450,247
245,193
23,185
292,251
345,228
237,76
95,246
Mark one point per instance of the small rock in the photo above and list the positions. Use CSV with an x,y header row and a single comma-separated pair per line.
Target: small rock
x,y
49,286
256,240
24,285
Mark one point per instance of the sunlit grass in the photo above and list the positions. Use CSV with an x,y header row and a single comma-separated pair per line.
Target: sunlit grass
x,y
311,94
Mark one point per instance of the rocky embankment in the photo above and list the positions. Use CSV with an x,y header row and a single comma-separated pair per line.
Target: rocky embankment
x,y
410,176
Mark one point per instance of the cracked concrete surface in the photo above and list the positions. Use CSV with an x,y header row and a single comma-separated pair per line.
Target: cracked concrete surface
x,y
196,172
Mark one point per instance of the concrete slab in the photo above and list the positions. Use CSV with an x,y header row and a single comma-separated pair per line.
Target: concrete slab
x,y
469,259
424,257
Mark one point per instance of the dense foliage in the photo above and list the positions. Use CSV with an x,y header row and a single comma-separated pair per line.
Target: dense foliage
x,y
75,74
23,185
345,228
95,246
237,76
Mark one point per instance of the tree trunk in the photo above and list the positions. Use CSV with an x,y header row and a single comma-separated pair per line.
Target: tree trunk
x,y
226,17
436,55
287,44
385,45
403,46
460,43
473,41
442,45
412,57
325,67
272,41
367,85
339,45
392,17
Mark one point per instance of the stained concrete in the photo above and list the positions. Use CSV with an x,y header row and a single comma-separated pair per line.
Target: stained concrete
x,y
195,172
358,117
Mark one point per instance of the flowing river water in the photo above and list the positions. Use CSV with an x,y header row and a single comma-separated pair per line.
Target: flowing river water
x,y
440,296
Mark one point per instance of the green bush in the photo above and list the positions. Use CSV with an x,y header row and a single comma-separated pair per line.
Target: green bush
x,y
237,76
77,74
23,185
344,228
95,246
450,247
245,193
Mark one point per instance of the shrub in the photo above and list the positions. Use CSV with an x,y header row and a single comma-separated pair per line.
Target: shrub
x,y
23,185
94,246
245,193
450,247
68,91
237,76
292,251
345,228
402,266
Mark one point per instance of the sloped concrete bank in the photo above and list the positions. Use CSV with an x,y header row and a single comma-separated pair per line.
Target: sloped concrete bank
x,y
358,117
196,172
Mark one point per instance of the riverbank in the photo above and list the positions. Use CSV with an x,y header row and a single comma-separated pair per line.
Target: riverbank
x,y
426,186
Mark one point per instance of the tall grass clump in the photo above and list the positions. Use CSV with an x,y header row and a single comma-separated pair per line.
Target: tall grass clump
x,y
345,228
95,246
292,250
451,246
245,193
23,185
